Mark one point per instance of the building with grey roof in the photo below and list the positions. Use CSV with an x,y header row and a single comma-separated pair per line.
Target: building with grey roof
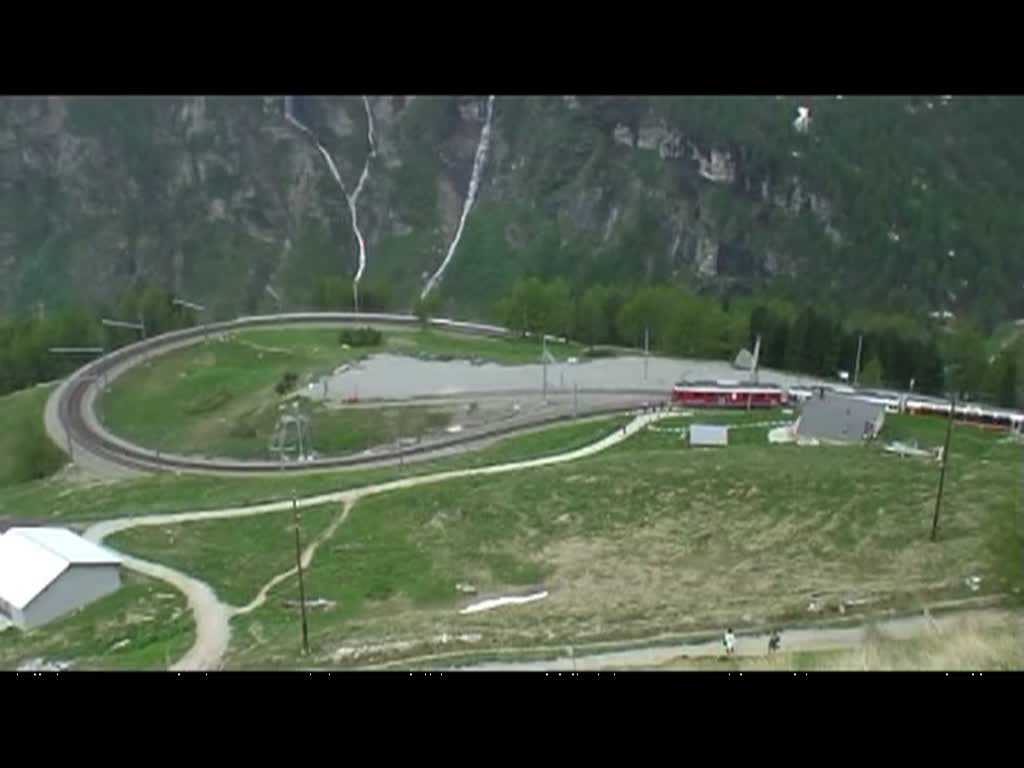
x,y
838,419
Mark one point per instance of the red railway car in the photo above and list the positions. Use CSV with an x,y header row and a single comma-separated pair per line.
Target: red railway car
x,y
717,394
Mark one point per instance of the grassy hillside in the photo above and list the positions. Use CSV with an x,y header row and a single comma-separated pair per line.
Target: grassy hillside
x,y
143,626
220,398
26,453
647,538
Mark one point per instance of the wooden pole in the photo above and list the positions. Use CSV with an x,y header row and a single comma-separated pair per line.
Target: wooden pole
x,y
942,473
856,369
302,589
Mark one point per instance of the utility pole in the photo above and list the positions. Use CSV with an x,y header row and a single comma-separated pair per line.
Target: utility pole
x,y
544,363
298,565
140,326
942,473
646,348
856,369
197,308
753,370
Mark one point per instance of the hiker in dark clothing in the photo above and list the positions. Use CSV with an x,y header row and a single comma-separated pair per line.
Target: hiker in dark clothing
x,y
774,641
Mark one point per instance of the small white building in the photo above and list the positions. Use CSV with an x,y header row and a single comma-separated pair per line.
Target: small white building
x,y
708,435
48,572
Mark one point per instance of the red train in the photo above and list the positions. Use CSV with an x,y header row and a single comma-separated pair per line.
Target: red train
x,y
719,394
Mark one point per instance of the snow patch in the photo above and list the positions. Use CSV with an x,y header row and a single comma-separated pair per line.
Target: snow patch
x,y
803,119
498,602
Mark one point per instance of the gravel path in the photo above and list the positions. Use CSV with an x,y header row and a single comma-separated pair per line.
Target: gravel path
x,y
212,617
754,645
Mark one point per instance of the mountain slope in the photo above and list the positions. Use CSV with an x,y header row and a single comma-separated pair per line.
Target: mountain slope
x,y
895,203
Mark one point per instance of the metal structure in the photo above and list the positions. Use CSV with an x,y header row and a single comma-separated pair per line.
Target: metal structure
x,y
193,306
139,326
77,350
292,439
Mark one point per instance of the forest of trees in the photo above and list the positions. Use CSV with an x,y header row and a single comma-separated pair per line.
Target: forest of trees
x,y
896,350
25,343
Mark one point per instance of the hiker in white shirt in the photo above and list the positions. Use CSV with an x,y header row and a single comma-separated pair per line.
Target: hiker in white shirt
x,y
729,641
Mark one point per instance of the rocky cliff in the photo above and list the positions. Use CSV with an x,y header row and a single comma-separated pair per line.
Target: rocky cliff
x,y
246,204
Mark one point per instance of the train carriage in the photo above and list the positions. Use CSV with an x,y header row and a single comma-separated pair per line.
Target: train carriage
x,y
719,394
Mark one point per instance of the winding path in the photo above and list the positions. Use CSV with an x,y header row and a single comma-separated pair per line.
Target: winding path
x,y
753,645
212,617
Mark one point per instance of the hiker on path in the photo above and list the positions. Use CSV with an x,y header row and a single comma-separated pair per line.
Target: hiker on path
x,y
774,641
729,641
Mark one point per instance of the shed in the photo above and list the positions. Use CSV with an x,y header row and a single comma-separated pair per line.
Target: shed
x,y
708,435
48,572
836,418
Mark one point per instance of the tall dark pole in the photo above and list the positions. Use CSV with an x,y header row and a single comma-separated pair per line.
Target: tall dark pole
x,y
544,363
302,589
856,368
647,348
942,474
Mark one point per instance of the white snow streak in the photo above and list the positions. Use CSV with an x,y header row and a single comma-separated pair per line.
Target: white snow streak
x,y
497,602
474,183
352,199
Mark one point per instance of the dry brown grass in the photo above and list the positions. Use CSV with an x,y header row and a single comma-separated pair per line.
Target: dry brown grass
x,y
972,643
977,642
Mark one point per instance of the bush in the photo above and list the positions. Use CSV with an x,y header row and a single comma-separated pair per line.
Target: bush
x,y
208,401
287,383
360,337
37,457
595,352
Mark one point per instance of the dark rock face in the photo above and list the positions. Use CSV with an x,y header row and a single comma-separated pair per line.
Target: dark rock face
x,y
219,198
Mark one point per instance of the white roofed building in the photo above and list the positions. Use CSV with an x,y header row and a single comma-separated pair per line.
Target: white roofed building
x,y
48,572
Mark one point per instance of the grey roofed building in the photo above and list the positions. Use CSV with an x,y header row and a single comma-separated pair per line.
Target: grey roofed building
x,y
836,418
708,434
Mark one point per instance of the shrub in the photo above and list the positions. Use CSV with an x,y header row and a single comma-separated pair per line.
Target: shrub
x,y
287,383
208,401
37,456
360,337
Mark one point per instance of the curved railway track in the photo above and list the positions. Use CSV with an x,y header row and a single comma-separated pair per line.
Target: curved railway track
x,y
76,429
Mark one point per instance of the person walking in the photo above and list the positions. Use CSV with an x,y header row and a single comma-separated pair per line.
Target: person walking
x,y
729,641
774,641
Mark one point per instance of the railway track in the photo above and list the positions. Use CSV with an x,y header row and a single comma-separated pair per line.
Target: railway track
x,y
79,429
